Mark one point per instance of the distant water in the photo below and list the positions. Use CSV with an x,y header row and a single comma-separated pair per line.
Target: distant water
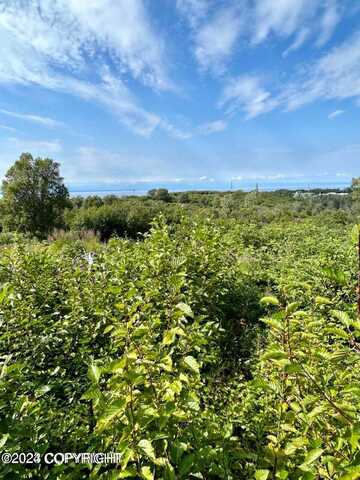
x,y
126,190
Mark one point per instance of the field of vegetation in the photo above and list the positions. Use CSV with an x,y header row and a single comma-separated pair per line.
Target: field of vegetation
x,y
200,335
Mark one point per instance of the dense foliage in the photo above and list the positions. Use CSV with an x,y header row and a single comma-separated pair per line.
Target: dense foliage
x,y
220,341
34,196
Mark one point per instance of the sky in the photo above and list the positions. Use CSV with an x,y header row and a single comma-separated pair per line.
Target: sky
x,y
182,91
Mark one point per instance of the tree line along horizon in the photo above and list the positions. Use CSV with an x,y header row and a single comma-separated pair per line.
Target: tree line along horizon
x,y
36,201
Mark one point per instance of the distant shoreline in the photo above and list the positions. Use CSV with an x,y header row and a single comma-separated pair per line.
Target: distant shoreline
x,y
127,190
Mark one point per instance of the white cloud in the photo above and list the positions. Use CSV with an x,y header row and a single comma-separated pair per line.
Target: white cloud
x,y
68,32
329,21
205,178
334,76
282,17
300,39
212,127
57,44
7,128
246,93
193,10
45,121
38,147
335,114
215,40
285,18
204,129
124,29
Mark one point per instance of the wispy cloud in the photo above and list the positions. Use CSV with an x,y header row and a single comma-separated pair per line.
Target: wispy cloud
x,y
193,10
247,94
53,45
216,39
212,127
39,147
334,76
205,178
7,128
300,39
330,18
286,18
335,114
204,129
45,121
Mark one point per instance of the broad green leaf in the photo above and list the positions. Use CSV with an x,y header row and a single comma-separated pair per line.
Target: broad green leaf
x,y
146,473
128,473
352,474
312,456
169,337
186,309
111,412
39,392
3,439
94,373
269,300
147,448
192,364
261,474
274,355
322,301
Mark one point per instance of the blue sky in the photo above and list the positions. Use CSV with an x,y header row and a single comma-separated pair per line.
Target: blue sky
x,y
182,91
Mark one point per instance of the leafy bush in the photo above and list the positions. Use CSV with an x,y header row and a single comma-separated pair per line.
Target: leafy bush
x,y
153,347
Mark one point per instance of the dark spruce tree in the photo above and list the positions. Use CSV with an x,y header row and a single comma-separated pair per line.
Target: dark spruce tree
x,y
34,196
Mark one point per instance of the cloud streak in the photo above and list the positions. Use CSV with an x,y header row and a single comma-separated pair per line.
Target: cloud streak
x,y
216,39
44,43
335,114
44,121
334,76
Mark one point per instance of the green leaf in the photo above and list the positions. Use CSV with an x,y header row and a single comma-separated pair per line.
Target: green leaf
x,y
342,316
355,232
292,307
192,364
94,373
322,301
146,473
270,300
186,309
274,355
338,332
140,332
39,392
312,456
170,335
147,448
108,328
128,473
352,474
3,439
111,412
261,474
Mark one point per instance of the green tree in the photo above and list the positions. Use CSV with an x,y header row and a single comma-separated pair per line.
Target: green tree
x,y
160,194
355,193
34,196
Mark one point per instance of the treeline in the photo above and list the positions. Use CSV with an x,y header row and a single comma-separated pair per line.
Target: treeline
x,y
36,202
